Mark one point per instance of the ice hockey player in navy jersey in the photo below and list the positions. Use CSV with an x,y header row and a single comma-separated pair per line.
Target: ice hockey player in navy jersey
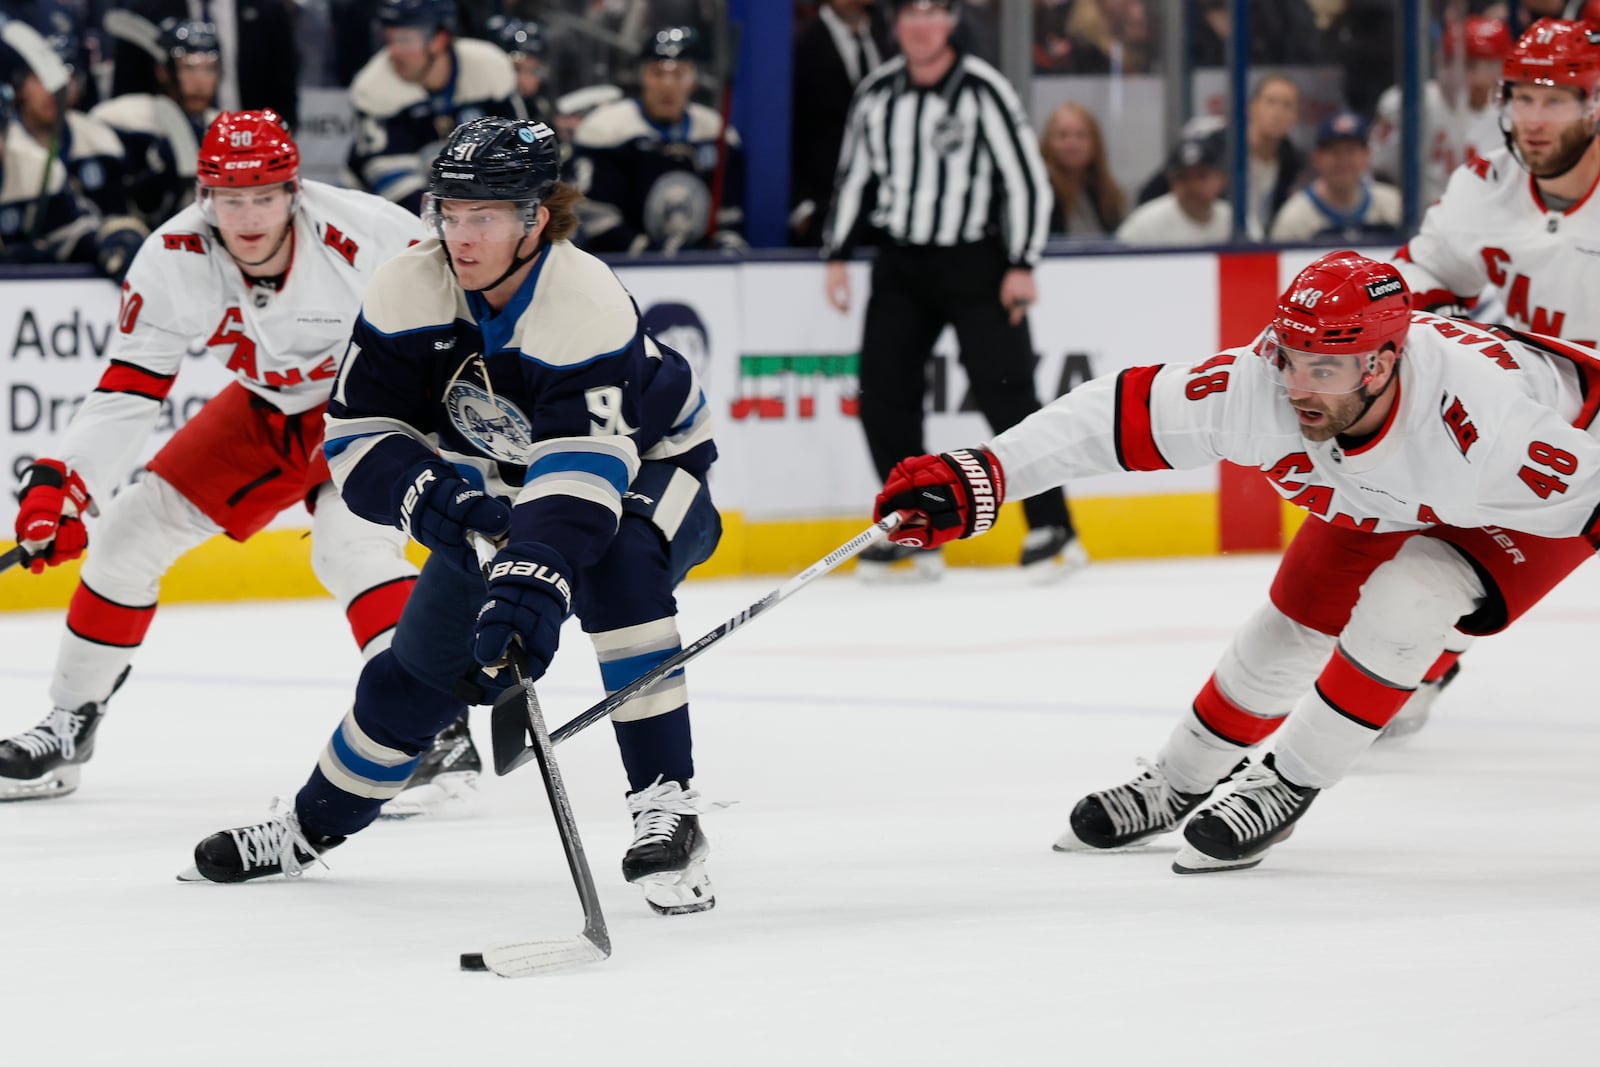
x,y
648,164
423,84
498,380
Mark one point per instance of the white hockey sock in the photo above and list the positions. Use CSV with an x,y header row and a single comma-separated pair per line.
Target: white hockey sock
x,y
1318,746
1194,759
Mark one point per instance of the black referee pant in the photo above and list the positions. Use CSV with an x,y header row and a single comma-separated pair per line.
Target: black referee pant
x,y
916,292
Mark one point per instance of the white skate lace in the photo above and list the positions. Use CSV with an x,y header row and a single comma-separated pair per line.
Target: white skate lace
x,y
274,841
59,730
1144,803
657,809
1260,803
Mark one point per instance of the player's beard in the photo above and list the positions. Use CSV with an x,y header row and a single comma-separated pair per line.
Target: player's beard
x,y
1339,413
1574,142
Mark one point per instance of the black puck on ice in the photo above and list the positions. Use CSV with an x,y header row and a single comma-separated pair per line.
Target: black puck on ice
x,y
473,961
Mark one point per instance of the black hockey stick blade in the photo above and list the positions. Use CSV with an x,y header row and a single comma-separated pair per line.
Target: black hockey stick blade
x,y
508,729
849,550
13,557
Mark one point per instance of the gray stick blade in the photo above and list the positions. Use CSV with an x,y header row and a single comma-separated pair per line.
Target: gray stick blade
x,y
542,957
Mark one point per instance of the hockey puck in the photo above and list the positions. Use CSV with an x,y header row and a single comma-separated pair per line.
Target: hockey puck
x,y
473,961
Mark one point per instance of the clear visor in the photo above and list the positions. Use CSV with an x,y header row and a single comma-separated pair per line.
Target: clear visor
x,y
1545,105
264,207
464,222
1324,373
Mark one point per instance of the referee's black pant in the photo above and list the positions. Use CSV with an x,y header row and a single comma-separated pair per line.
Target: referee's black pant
x,y
916,292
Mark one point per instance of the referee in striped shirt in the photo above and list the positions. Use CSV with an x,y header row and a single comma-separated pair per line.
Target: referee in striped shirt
x,y
938,157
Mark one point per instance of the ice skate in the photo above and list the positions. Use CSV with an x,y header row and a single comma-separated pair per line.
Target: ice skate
x,y
276,846
47,761
446,780
899,563
1050,553
1128,814
1413,715
1235,831
667,857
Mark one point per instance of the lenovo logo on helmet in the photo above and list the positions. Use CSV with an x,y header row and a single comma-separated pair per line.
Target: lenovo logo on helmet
x,y
1386,287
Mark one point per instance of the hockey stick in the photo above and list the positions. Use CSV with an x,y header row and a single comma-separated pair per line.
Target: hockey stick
x,y
511,749
517,711
12,558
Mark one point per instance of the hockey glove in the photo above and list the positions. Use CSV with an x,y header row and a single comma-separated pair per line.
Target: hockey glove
x,y
948,496
438,507
529,596
51,501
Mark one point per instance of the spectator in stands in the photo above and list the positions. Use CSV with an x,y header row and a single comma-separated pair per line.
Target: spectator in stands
x,y
259,62
1342,201
424,83
161,131
1105,37
832,53
1275,163
652,166
1194,212
1460,106
524,42
61,190
1088,201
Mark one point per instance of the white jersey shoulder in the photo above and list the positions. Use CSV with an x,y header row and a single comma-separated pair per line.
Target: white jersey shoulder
x,y
579,310
156,115
613,124
91,136
705,123
25,176
483,72
413,291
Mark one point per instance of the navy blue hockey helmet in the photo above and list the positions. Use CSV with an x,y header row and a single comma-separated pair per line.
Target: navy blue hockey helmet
x,y
495,158
680,44
516,37
189,37
417,14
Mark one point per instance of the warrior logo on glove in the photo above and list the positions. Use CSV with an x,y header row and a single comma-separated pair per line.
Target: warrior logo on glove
x,y
952,495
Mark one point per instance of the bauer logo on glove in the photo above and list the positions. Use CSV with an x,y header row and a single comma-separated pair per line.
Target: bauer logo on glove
x,y
949,496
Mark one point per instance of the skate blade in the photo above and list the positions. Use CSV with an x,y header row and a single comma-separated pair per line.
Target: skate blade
x,y
682,892
535,957
60,782
192,873
1071,842
1191,860
451,793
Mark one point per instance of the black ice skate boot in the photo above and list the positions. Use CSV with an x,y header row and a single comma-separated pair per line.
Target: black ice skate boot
x,y
276,846
1235,831
1050,553
444,781
1128,814
667,857
47,760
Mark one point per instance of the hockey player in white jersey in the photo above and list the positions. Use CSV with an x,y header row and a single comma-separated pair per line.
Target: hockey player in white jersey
x,y
265,273
1421,442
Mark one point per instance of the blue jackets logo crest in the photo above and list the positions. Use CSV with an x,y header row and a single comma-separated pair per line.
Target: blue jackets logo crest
x,y
495,425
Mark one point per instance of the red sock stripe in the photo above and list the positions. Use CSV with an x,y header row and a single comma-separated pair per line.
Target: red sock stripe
x,y
1135,440
126,378
378,609
105,622
1357,695
1441,666
1229,721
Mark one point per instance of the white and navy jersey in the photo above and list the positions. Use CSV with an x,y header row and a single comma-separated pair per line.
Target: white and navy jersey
x,y
945,164
1305,216
648,183
42,218
1493,229
1489,428
551,403
161,144
1455,133
400,126
95,161
184,294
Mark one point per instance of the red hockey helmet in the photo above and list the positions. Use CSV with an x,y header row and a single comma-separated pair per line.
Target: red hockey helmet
x,y
1554,52
247,148
1480,37
1344,304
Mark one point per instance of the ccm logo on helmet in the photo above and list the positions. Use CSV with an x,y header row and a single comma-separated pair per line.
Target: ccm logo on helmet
x,y
1387,287
528,569
244,164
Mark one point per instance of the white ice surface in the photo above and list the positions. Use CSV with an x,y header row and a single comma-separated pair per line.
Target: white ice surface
x,y
902,759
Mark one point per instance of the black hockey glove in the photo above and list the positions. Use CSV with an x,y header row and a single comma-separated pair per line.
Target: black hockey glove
x,y
438,507
529,596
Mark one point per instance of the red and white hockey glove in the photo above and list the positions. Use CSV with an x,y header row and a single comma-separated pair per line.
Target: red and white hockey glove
x,y
948,496
51,503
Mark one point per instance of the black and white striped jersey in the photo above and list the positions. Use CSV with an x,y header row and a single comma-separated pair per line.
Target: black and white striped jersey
x,y
945,164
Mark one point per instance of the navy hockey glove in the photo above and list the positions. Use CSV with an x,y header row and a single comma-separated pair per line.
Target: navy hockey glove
x,y
948,496
50,504
529,596
438,507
